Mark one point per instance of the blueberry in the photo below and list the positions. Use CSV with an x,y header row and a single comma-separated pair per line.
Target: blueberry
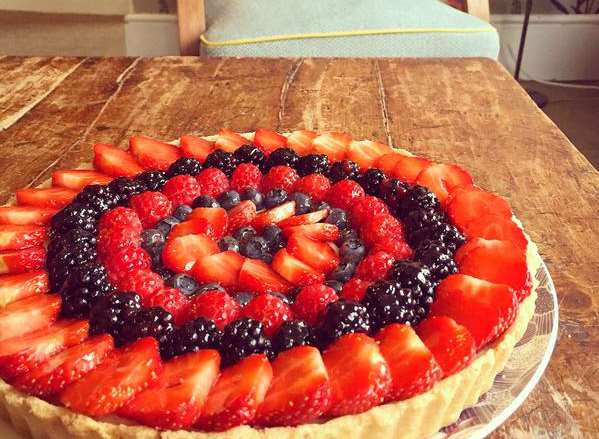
x,y
182,212
254,196
303,202
347,234
228,243
343,272
185,283
334,284
228,200
243,298
274,237
210,287
352,250
242,234
152,239
165,225
205,201
266,257
254,247
164,272
275,197
337,217
321,205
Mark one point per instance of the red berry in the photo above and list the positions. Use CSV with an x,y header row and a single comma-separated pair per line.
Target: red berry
x,y
121,218
311,302
281,177
109,240
143,282
344,193
245,176
171,300
151,207
376,228
398,248
126,259
212,182
181,189
215,305
268,309
375,266
367,207
315,185
355,289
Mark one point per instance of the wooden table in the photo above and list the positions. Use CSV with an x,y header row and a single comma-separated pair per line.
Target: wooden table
x,y
468,111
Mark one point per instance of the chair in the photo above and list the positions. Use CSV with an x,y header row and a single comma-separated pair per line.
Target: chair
x,y
341,28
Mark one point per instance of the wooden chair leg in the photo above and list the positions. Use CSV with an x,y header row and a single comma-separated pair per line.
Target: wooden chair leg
x,y
479,8
192,23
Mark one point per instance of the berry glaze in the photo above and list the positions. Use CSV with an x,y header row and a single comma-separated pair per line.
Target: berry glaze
x,y
239,260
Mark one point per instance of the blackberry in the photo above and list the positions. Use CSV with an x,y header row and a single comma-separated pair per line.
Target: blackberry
x,y
421,218
151,322
313,164
75,238
152,180
113,315
74,216
125,188
416,198
292,333
249,154
413,275
61,265
204,201
343,170
98,197
194,335
280,157
83,287
388,303
340,318
185,166
222,160
444,232
392,192
241,338
371,181
438,258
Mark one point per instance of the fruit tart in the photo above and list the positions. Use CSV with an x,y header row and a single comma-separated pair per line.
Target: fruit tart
x,y
256,285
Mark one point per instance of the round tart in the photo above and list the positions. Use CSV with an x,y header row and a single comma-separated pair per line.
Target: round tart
x,y
256,285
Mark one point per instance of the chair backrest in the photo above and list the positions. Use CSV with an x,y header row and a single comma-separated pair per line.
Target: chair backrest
x,y
192,20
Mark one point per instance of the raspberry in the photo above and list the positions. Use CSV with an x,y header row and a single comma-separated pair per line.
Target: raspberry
x,y
171,300
397,248
151,207
315,185
126,259
121,218
344,193
311,302
245,176
112,239
379,227
181,189
375,266
367,207
279,177
143,282
268,309
355,289
215,305
212,182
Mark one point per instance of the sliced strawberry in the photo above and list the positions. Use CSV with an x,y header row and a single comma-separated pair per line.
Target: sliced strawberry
x,y
176,399
114,161
294,270
23,353
116,381
28,314
358,373
181,253
21,261
258,277
470,203
274,215
301,141
194,226
451,344
221,267
153,154
442,178
77,179
495,227
306,218
26,215
300,390
16,237
237,394
485,308
317,254
64,368
387,162
18,286
52,197
216,216
333,144
409,167
195,147
229,141
413,368
242,215
366,152
319,231
268,140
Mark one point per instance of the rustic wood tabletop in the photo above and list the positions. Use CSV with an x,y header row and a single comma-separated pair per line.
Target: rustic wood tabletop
x,y
468,111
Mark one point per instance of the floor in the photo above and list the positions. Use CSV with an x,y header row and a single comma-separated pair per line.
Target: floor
x,y
576,112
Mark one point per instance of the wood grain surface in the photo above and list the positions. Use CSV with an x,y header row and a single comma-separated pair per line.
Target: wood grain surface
x,y
467,111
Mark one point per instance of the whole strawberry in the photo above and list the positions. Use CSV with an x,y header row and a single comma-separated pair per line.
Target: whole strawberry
x,y
151,207
311,302
268,309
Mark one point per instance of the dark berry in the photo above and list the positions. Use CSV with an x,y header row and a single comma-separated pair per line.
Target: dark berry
x,y
194,335
388,303
337,217
286,299
254,247
438,258
313,164
152,240
371,181
347,234
443,232
249,154
411,274
211,286
280,157
228,243
342,272
151,322
75,238
416,198
243,298
352,250
421,218
98,197
204,201
222,160
229,199
340,318
303,202
125,188
84,286
241,338
185,166
162,271
165,225
113,315
336,285
60,266
182,212
184,282
320,206
254,196
152,180
242,234
392,192
274,237
290,334
275,197
343,170
74,216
